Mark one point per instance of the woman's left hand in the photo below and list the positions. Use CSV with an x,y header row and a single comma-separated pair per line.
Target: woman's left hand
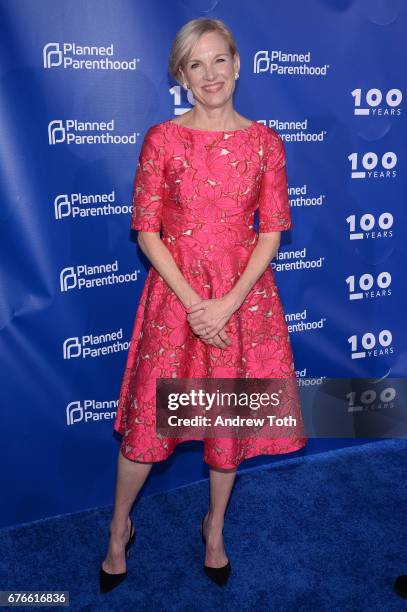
x,y
208,317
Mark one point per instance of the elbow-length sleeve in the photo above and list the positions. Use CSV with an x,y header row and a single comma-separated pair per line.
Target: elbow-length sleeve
x,y
274,204
148,186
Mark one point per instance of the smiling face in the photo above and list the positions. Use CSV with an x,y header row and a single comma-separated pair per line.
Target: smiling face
x,y
210,70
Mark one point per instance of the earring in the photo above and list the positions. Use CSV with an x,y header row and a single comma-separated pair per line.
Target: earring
x,y
186,86
236,75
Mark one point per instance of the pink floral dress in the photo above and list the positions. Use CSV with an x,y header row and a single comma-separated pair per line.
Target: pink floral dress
x,y
201,188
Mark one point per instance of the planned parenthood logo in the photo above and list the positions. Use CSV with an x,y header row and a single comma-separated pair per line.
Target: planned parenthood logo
x,y
83,206
289,260
93,345
288,64
300,197
84,57
305,381
87,277
90,411
301,322
72,131
295,131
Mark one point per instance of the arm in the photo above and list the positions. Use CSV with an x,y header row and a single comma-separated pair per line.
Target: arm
x,y
148,198
264,251
163,261
274,217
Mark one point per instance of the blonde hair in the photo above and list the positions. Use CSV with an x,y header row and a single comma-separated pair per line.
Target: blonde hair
x,y
188,35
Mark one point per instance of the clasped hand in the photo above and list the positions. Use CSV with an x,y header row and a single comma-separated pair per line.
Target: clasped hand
x,y
208,318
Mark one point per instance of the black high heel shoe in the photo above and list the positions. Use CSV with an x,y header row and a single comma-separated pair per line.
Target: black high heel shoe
x,y
400,585
219,575
107,581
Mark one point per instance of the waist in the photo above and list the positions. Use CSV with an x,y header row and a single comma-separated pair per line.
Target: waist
x,y
186,227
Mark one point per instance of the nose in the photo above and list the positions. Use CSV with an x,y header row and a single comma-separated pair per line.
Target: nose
x,y
210,74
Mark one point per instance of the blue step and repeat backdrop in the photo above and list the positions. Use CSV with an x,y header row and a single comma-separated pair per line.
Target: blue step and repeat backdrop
x,y
81,82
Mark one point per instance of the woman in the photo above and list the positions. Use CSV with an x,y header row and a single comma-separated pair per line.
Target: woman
x,y
209,306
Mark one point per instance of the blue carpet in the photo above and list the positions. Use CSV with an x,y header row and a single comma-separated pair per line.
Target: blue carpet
x,y
322,532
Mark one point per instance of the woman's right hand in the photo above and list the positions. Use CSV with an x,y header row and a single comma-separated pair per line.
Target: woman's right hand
x,y
221,340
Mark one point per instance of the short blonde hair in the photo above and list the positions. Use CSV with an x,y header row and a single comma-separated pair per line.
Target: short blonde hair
x,y
188,35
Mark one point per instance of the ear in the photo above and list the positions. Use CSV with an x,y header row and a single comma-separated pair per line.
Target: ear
x,y
236,62
181,75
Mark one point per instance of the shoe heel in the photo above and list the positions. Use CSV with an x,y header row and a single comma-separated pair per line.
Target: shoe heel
x,y
218,575
107,581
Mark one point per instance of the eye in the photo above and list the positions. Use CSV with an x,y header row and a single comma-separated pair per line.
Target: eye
x,y
193,65
221,59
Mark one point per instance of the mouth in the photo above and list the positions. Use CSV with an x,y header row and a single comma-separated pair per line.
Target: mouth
x,y
212,88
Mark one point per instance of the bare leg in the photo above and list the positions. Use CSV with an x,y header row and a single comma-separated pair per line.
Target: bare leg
x,y
131,475
221,483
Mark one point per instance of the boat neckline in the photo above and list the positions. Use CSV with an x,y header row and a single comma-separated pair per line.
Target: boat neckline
x,y
189,129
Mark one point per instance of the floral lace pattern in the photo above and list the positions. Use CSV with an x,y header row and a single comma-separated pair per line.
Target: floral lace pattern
x,y
201,188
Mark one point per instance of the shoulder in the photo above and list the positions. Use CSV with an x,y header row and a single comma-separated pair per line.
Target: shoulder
x,y
270,134
273,143
153,143
155,132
